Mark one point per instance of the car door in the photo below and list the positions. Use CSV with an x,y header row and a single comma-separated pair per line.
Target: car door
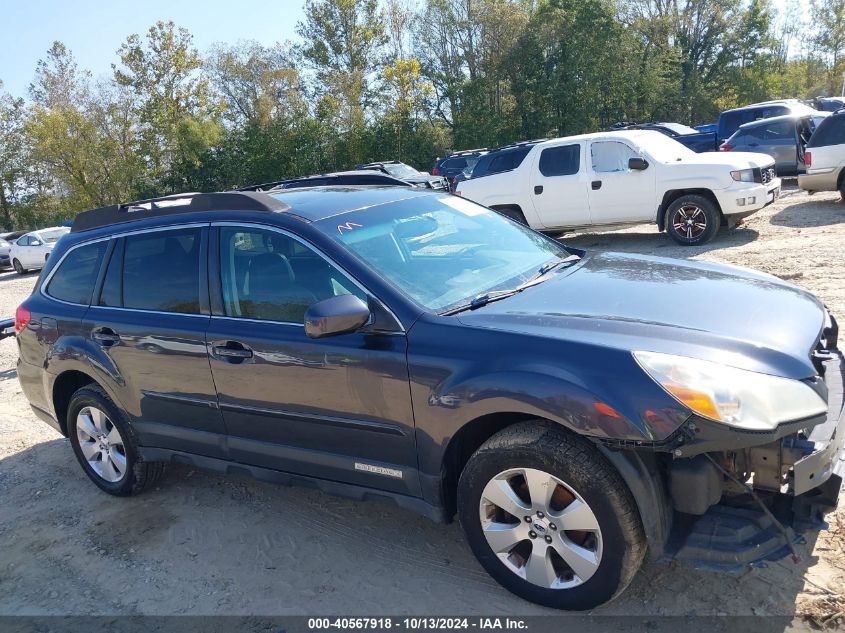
x,y
779,140
27,255
616,192
335,408
148,324
559,186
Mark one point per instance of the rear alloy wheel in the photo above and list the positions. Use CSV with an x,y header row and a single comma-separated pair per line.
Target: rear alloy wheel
x,y
18,268
549,518
105,445
692,220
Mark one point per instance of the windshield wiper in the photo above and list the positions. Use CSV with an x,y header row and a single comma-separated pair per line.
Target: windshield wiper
x,y
488,297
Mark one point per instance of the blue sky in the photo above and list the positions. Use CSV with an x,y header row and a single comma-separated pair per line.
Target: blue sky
x,y
95,29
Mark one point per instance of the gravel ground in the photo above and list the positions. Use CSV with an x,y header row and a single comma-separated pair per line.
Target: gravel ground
x,y
200,543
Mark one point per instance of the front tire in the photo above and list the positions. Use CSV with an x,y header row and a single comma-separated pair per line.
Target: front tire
x,y
692,220
18,267
105,444
549,518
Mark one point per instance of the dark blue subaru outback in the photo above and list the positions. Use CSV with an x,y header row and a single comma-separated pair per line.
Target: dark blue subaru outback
x,y
576,411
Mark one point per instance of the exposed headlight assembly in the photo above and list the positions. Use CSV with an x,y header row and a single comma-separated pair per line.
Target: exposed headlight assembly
x,y
740,398
743,175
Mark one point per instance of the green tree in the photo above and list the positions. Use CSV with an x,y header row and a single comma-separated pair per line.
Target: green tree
x,y
13,158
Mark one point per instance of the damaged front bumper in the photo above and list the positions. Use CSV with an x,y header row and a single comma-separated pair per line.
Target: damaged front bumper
x,y
797,474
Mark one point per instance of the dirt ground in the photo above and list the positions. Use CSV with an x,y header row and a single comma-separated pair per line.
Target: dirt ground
x,y
201,543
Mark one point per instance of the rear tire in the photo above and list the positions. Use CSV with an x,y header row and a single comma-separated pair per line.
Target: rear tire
x,y
692,220
606,550
18,268
105,444
514,213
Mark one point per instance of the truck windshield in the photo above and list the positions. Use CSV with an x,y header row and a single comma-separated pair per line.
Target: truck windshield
x,y
443,251
662,148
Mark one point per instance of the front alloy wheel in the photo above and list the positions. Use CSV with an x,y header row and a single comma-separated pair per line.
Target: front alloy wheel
x,y
540,528
692,220
549,518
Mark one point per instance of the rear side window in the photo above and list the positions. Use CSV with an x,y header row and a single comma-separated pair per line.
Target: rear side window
x,y
161,271
455,163
831,131
76,276
560,161
779,131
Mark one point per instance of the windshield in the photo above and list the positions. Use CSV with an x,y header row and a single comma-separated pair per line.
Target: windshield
x,y
400,170
662,148
51,235
443,251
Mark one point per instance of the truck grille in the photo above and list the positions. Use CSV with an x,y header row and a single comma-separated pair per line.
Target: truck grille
x,y
767,175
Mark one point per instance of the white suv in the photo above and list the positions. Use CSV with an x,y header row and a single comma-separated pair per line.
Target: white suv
x,y
824,158
628,177
30,251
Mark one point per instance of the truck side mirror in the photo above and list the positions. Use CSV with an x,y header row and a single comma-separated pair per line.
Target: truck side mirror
x,y
637,164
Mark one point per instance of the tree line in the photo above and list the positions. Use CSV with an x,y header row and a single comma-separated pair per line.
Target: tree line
x,y
391,79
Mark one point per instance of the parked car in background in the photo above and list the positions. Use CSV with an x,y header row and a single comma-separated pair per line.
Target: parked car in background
x,y
696,140
12,235
825,157
708,127
784,138
628,177
455,163
408,174
5,248
730,120
31,251
828,104
361,177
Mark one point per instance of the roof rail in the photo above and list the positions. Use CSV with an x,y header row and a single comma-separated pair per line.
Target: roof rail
x,y
466,151
176,204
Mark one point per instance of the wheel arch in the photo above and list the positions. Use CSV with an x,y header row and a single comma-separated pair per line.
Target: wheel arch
x,y
640,472
673,194
65,385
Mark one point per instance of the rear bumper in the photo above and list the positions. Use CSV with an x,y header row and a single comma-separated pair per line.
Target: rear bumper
x,y
819,180
5,262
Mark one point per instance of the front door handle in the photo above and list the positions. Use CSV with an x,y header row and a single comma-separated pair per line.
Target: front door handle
x,y
538,189
105,336
231,352
596,184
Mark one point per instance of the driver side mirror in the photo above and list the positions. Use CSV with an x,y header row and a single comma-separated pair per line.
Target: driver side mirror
x,y
637,164
336,315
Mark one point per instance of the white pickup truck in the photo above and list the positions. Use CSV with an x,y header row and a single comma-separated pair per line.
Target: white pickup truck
x,y
627,177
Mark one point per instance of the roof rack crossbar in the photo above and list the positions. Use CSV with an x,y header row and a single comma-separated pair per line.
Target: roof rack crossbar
x,y
175,204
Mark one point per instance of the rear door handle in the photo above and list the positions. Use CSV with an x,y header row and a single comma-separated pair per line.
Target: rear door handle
x,y
538,189
231,352
105,337
596,184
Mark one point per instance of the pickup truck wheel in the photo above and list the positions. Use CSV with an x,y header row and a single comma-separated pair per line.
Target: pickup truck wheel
x,y
105,445
18,267
692,220
549,518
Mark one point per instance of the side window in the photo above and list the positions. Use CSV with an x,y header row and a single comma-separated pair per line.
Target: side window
x,y
501,162
455,163
782,130
610,156
112,293
24,241
76,276
830,131
161,271
269,276
560,161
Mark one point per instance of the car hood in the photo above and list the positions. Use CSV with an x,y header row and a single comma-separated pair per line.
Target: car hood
x,y
737,160
716,312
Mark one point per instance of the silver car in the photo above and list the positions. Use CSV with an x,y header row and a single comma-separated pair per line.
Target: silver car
x,y
784,138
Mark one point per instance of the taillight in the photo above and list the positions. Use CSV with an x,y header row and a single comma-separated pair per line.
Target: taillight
x,y
724,147
808,159
435,172
457,193
22,318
